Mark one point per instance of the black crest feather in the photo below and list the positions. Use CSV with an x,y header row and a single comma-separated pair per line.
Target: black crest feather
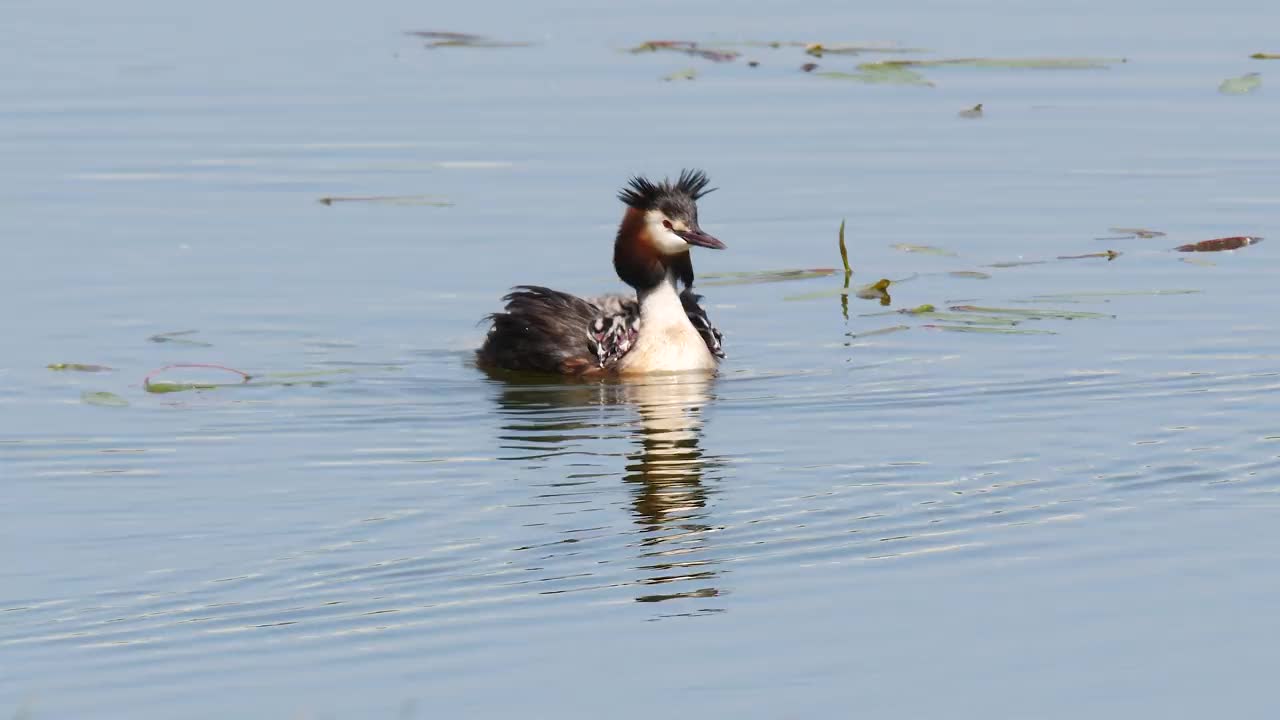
x,y
644,194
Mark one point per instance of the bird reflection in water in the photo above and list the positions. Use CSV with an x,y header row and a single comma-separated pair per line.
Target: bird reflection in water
x,y
667,468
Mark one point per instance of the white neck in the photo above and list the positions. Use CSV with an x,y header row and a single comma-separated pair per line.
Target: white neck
x,y
660,306
667,341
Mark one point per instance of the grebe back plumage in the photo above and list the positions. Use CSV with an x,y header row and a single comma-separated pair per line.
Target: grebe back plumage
x,y
662,329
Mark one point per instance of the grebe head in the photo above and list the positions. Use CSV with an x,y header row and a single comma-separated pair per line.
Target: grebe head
x,y
659,227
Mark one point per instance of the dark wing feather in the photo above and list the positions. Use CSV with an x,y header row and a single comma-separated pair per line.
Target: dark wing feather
x,y
543,330
698,316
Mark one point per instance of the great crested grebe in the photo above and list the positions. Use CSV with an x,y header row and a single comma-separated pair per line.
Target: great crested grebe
x,y
661,329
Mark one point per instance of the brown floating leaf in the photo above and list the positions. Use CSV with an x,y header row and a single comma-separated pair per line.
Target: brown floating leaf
x,y
809,67
687,47
1109,255
1265,56
1220,244
79,367
971,113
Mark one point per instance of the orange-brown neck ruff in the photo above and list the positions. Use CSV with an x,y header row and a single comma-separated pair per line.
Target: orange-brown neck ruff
x,y
636,260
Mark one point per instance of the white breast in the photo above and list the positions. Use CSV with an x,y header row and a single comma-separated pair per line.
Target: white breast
x,y
667,341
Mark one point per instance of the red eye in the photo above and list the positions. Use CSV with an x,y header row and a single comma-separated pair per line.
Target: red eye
x,y
666,224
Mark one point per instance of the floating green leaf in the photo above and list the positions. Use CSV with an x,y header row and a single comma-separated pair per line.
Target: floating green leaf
x,y
424,200
178,338
766,276
1030,313
168,386
988,330
103,399
879,331
878,290
922,249
78,367
968,318
888,75
971,274
1242,85
1265,56
686,74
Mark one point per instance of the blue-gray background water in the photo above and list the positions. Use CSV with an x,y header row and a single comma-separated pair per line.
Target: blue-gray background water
x,y
1073,519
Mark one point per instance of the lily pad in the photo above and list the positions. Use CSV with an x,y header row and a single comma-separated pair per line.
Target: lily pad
x,y
103,399
78,367
1242,85
765,276
923,249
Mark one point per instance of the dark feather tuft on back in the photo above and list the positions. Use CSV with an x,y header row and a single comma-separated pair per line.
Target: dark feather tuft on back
x,y
644,194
